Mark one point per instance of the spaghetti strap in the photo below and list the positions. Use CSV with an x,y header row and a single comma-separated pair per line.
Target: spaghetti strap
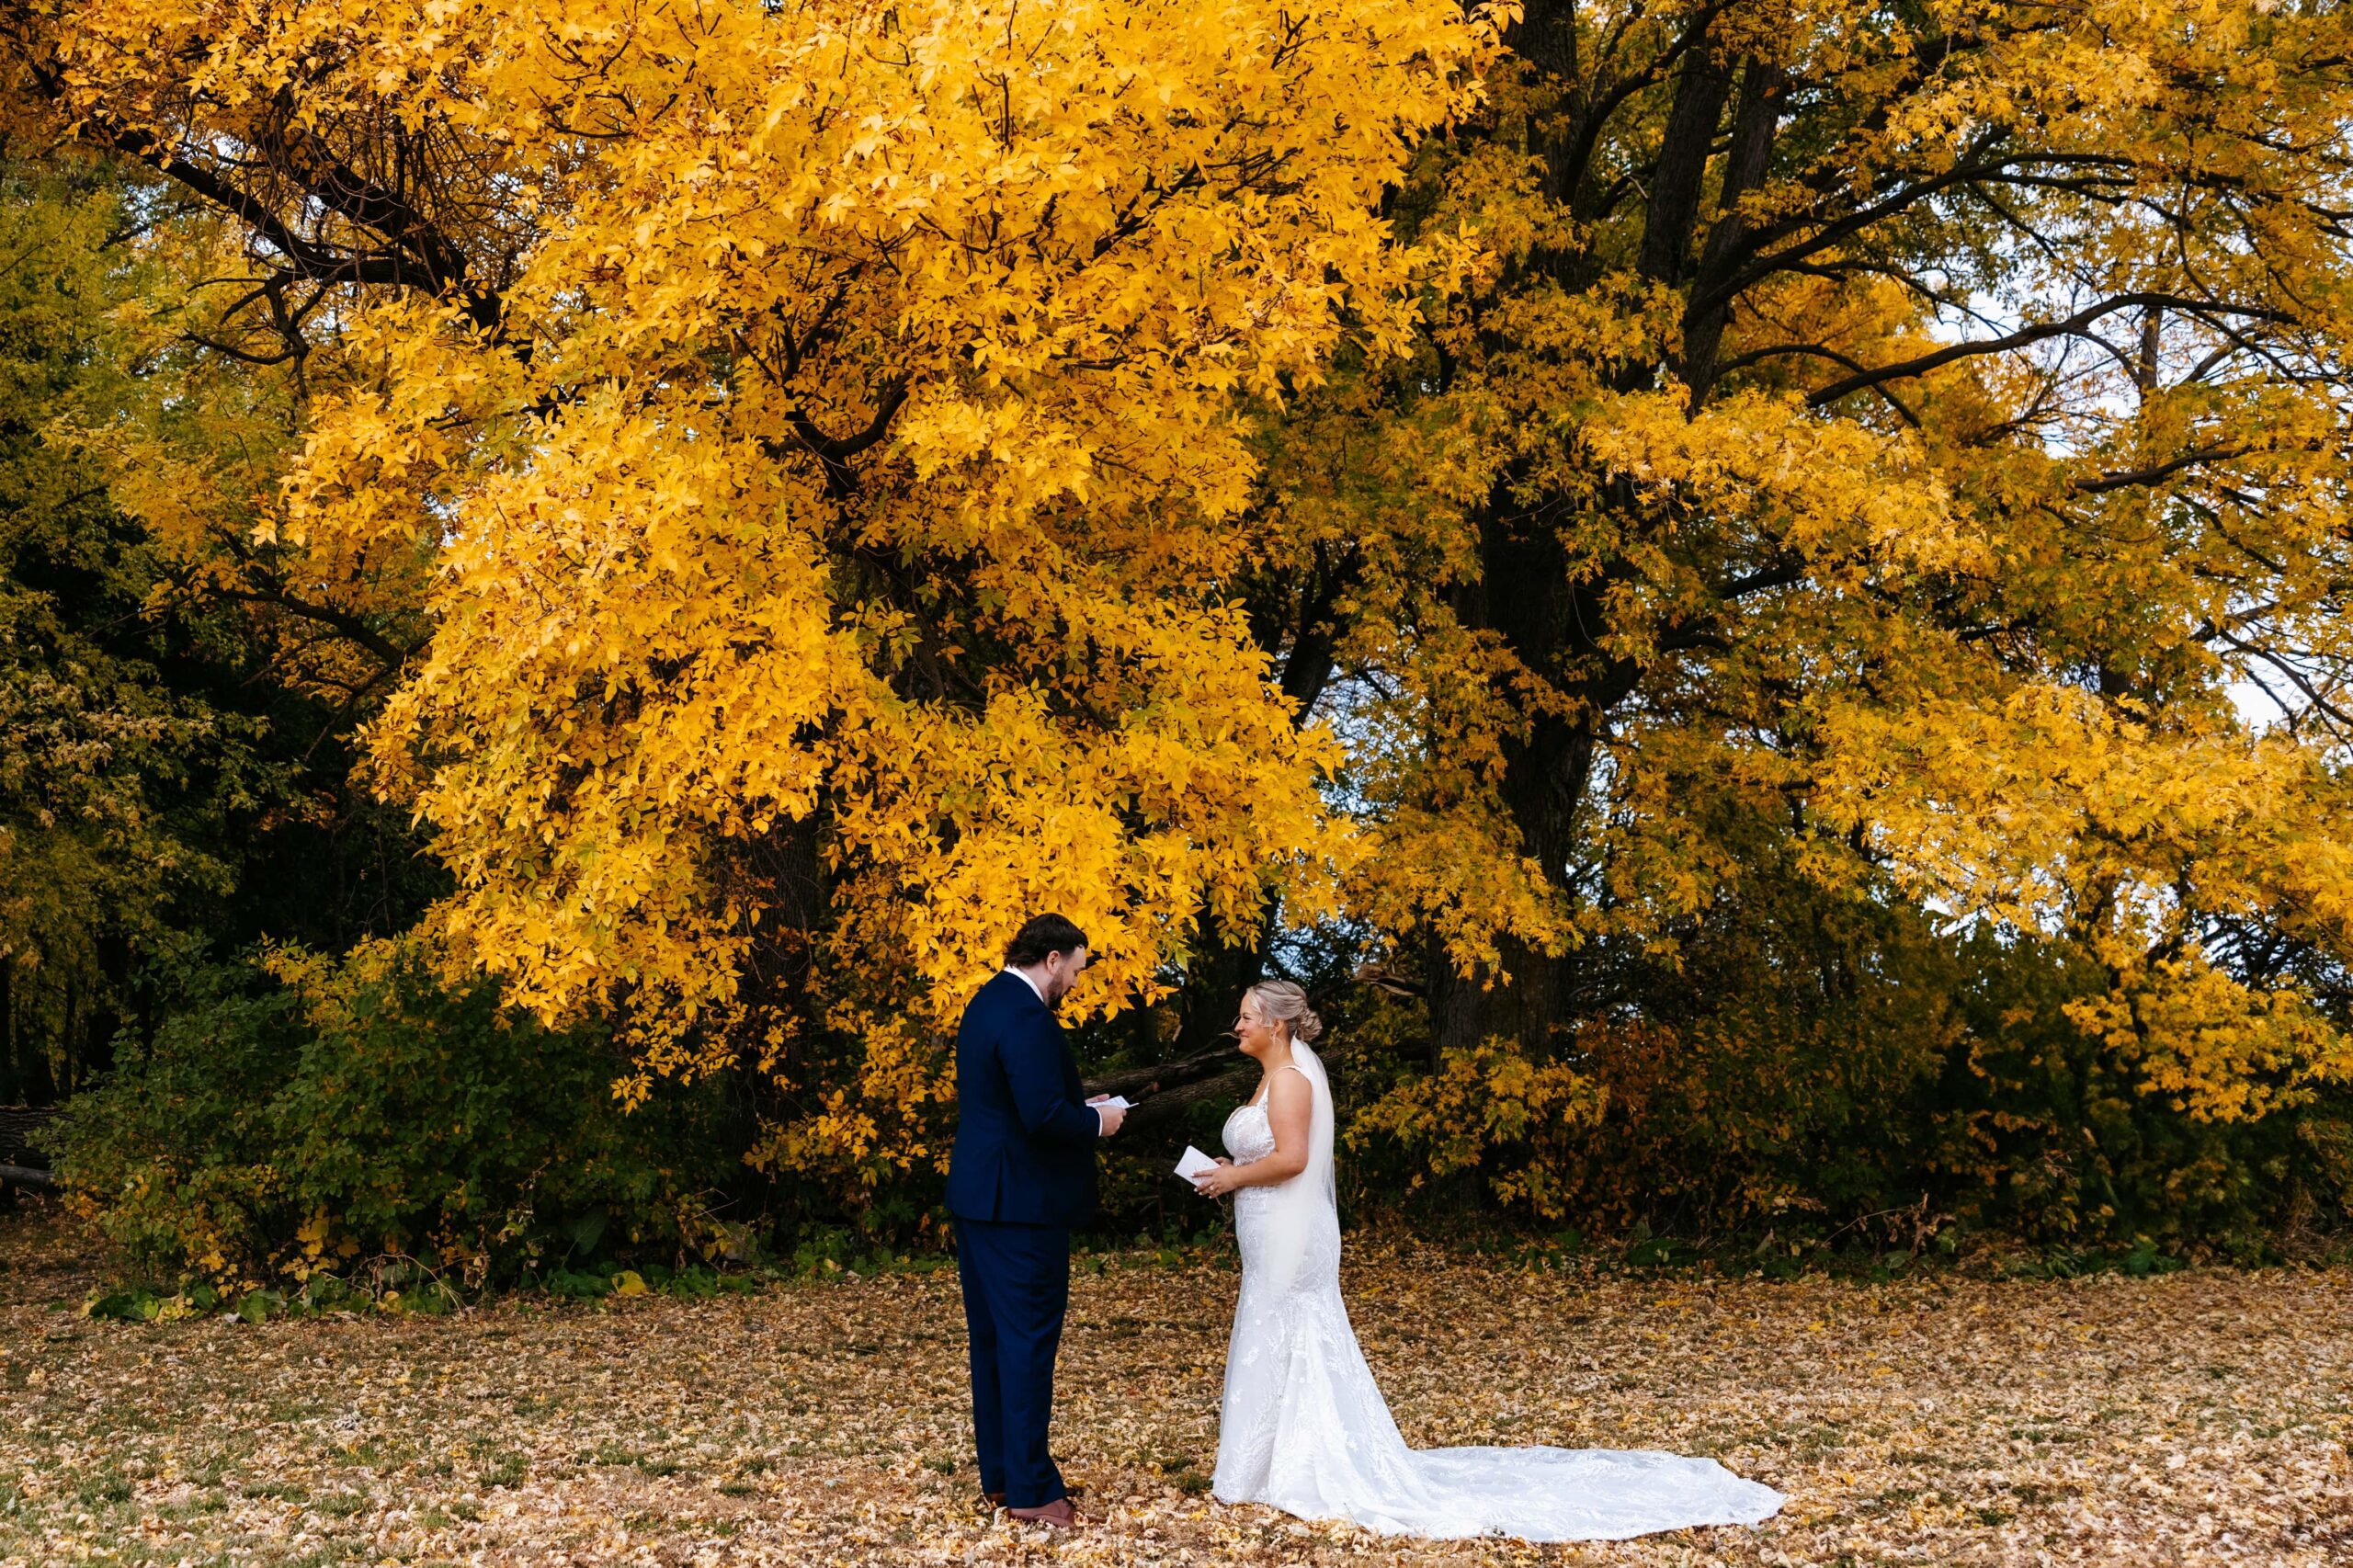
x,y
1270,1085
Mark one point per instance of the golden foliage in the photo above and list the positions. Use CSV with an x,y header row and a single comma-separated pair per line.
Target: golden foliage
x,y
1953,473
1490,1108
2099,1421
832,448
821,426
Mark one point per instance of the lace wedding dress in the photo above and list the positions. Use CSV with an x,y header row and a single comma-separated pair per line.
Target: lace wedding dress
x,y
1304,1428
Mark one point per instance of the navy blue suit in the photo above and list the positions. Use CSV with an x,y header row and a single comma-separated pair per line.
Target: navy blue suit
x,y
1021,1174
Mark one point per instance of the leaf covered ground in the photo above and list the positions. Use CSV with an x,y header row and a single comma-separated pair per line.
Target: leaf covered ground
x,y
2195,1417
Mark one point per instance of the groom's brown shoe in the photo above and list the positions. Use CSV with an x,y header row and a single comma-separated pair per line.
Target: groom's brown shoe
x,y
996,1499
1057,1513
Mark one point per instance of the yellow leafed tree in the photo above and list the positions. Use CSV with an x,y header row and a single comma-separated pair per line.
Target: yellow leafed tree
x,y
1915,434
819,425
862,473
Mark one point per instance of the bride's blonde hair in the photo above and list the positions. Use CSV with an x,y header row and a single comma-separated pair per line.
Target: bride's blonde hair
x,y
1285,1003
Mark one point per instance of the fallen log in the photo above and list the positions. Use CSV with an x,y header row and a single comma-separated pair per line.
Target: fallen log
x,y
21,1127
1165,1093
1160,1078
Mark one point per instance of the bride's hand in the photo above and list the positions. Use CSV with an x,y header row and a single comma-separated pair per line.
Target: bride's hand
x,y
1216,1183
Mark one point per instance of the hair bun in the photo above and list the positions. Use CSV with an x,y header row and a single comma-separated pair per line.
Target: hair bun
x,y
1285,1003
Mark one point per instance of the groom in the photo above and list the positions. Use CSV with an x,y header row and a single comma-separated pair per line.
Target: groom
x,y
1021,1174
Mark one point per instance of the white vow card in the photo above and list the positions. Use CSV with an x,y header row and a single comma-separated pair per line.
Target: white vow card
x,y
1117,1102
1194,1163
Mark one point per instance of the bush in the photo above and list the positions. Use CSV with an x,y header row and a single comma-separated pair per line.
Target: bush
x,y
1827,1069
306,1110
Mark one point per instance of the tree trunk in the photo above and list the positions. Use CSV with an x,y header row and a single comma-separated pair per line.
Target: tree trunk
x,y
1764,86
1212,995
12,1084
1682,165
1552,610
1528,594
36,1075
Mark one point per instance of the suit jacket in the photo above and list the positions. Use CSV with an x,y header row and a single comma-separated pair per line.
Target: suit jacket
x,y
1025,1135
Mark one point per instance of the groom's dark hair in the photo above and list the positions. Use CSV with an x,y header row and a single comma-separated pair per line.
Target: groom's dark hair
x,y
1040,935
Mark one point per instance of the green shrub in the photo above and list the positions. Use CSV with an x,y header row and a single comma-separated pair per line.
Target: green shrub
x,y
1829,1072
296,1114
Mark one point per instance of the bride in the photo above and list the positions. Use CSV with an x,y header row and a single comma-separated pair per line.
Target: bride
x,y
1304,1426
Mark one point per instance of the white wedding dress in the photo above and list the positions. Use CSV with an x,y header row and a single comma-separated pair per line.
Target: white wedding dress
x,y
1304,1428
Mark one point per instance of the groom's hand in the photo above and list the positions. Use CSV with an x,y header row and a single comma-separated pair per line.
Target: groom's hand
x,y
1110,1115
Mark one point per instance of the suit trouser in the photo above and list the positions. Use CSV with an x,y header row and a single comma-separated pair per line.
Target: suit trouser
x,y
1017,1289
